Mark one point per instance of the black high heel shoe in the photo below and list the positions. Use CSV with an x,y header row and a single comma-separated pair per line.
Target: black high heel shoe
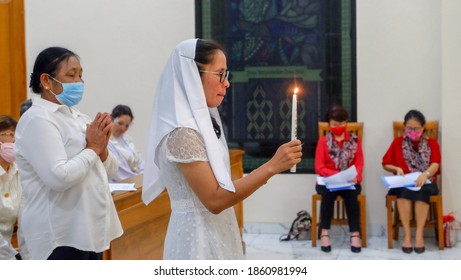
x,y
420,250
326,249
353,248
407,250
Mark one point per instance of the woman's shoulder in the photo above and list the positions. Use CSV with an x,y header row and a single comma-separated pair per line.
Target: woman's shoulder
x,y
42,110
397,141
31,116
395,144
322,139
185,145
34,111
185,133
432,142
185,137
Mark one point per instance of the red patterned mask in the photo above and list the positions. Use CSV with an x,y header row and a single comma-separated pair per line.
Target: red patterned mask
x,y
338,130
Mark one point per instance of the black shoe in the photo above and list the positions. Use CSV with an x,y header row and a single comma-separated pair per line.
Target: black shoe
x,y
353,248
356,249
407,250
326,249
420,250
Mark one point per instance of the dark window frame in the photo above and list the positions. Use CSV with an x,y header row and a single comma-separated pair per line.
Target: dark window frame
x,y
339,76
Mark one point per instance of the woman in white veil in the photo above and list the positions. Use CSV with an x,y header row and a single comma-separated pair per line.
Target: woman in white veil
x,y
188,155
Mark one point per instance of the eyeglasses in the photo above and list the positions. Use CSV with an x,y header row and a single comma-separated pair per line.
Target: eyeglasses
x,y
416,129
8,134
224,75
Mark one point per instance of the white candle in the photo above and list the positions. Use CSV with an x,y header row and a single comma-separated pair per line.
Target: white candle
x,y
294,120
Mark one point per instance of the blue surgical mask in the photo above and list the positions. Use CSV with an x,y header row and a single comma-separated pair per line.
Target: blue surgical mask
x,y
71,95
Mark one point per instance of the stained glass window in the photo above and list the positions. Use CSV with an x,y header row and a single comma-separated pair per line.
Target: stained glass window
x,y
273,46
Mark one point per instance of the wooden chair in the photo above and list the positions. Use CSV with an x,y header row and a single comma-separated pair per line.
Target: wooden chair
x,y
339,217
435,219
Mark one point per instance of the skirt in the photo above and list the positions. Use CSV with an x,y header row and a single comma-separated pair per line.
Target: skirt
x,y
422,195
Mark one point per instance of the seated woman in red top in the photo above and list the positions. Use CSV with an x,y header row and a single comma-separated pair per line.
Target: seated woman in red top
x,y
337,151
414,153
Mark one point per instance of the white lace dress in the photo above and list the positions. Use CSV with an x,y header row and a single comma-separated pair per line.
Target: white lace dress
x,y
193,231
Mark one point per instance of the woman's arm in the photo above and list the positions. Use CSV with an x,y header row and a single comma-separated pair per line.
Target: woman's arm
x,y
394,169
359,162
137,154
321,153
426,174
434,167
390,158
111,166
201,179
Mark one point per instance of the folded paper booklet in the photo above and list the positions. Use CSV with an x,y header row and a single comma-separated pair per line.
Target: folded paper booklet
x,y
402,181
122,187
339,181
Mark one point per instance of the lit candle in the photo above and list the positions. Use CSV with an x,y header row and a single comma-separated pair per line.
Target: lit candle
x,y
294,120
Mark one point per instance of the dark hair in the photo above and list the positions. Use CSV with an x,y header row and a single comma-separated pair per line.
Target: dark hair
x,y
337,113
121,110
7,122
48,61
205,51
416,115
25,105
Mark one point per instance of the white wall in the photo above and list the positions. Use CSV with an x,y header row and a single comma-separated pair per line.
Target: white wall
x,y
398,69
400,50
451,104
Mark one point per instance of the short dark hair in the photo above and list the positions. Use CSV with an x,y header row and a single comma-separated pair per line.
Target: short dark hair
x,y
7,122
48,62
416,115
25,105
121,110
205,51
337,113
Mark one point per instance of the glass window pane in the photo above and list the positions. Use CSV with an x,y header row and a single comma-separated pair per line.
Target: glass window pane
x,y
273,46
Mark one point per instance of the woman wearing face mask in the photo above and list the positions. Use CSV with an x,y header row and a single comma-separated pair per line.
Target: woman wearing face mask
x,y
65,166
10,188
414,153
337,151
122,145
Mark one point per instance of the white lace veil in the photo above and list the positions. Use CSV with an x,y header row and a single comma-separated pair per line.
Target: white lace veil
x,y
180,102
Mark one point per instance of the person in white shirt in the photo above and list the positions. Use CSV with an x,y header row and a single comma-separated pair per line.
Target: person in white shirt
x,y
122,145
10,188
65,166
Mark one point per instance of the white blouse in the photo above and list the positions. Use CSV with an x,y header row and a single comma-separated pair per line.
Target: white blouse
x,y
67,201
129,159
10,201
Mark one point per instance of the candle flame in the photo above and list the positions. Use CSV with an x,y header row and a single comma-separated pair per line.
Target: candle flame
x,y
296,90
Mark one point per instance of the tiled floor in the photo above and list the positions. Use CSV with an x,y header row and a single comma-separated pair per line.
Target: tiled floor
x,y
266,246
